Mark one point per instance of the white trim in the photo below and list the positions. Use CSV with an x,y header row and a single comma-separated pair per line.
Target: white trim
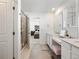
x,y
17,28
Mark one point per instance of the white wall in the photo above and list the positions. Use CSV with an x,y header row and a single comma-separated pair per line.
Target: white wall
x,y
43,29
32,24
34,21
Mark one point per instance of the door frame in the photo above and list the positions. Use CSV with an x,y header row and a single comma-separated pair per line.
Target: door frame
x,y
17,30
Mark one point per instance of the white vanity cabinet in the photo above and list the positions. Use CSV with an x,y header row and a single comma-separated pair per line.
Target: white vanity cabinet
x,y
49,41
69,50
74,56
75,52
66,51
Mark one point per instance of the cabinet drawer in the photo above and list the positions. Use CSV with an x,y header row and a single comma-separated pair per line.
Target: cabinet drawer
x,y
75,50
66,45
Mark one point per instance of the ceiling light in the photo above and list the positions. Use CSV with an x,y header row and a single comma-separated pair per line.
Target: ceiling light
x,y
53,9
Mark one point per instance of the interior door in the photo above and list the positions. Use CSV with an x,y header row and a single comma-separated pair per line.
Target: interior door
x,y
6,30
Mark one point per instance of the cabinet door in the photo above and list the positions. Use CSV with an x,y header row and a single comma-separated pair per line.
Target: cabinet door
x,y
50,42
74,56
48,39
66,52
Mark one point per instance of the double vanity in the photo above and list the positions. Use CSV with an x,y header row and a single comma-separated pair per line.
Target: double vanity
x,y
69,47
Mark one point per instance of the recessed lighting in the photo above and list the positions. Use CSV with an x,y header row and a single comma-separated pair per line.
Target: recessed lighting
x,y
53,9
59,11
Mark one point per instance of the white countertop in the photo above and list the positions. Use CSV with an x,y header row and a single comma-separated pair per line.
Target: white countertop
x,y
57,39
74,42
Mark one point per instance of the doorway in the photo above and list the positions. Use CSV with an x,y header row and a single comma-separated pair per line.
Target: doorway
x,y
6,29
34,29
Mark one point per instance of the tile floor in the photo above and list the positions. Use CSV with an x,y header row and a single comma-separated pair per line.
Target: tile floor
x,y
25,53
38,51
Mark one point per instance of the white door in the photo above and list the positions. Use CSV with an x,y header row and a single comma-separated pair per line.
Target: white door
x,y
6,30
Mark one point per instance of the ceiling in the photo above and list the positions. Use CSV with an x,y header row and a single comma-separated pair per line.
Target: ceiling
x,y
41,6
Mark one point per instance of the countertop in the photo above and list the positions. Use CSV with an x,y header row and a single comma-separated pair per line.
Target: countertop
x,y
72,41
58,39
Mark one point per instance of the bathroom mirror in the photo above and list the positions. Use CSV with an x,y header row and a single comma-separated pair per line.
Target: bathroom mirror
x,y
70,18
58,23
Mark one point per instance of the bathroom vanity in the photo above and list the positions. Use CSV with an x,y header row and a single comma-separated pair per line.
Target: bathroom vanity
x,y
70,49
69,21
